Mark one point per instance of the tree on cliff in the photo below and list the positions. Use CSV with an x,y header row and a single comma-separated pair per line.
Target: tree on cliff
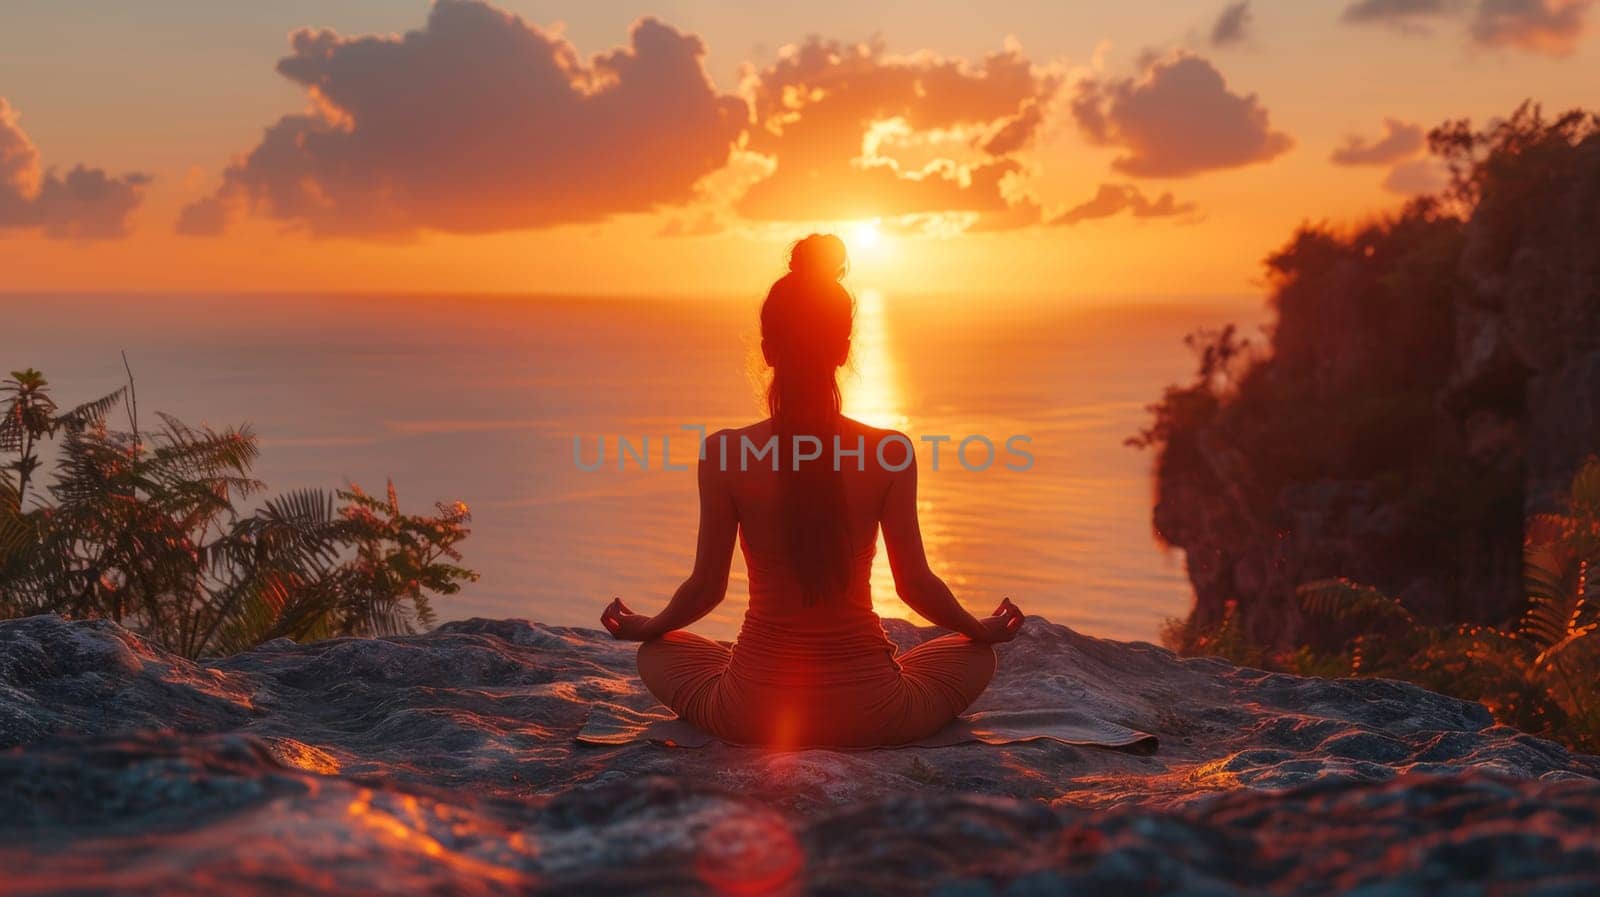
x,y
1430,380
1397,485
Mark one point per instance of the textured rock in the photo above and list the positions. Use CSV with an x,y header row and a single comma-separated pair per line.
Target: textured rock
x,y
446,763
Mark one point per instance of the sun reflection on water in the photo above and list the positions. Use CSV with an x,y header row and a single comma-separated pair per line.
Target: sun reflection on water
x,y
872,393
872,384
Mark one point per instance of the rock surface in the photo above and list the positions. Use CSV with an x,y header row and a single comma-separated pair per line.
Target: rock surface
x,y
446,763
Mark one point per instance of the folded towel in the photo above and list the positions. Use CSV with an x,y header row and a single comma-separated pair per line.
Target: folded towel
x,y
613,724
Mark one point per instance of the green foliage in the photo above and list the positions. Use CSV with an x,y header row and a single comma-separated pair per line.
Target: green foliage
x,y
1541,675
1224,638
30,416
147,529
1356,438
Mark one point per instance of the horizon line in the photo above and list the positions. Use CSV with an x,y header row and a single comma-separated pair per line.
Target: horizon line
x,y
1147,298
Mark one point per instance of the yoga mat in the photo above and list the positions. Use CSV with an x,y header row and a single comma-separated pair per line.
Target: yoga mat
x,y
613,724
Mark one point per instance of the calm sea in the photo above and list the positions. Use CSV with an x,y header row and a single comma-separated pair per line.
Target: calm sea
x,y
479,399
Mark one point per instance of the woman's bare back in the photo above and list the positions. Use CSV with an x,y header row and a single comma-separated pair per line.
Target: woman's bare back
x,y
812,664
754,485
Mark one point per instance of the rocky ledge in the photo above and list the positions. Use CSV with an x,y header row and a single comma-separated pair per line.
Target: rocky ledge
x,y
446,763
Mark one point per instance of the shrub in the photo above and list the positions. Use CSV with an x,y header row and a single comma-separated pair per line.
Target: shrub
x,y
1541,674
147,528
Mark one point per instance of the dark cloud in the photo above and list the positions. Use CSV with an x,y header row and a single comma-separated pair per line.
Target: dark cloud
x,y
1112,199
1406,15
1179,119
480,122
1400,140
1016,132
85,204
854,133
1552,27
1400,148
1232,26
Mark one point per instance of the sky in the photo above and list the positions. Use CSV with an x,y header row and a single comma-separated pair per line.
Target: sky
x,y
1052,149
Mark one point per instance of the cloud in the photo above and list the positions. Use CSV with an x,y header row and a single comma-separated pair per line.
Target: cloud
x,y
1418,176
1398,148
1232,26
1552,27
85,204
852,132
1400,140
1404,15
1016,132
479,122
1112,199
1178,119
704,224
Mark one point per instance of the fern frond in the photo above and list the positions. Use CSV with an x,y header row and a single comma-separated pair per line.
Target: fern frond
x,y
252,611
17,535
1342,599
1573,636
1548,573
91,412
1585,497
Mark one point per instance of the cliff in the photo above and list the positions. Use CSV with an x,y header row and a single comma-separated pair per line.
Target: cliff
x,y
1429,381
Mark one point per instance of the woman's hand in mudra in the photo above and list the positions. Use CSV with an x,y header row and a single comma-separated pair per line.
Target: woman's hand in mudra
x,y
1002,626
623,624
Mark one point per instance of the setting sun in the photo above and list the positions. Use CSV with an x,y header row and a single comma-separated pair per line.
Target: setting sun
x,y
864,238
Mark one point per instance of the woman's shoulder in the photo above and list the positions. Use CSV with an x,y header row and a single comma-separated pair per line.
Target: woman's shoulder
x,y
888,449
729,442
873,435
756,432
757,439
762,429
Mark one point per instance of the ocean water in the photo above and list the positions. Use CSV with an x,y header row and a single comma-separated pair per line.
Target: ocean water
x,y
480,399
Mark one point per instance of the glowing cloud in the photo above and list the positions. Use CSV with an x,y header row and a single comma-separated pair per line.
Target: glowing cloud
x,y
479,122
85,204
853,133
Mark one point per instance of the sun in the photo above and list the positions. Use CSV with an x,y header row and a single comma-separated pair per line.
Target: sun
x,y
864,238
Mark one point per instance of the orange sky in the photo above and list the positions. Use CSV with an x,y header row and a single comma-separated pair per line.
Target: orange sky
x,y
1154,148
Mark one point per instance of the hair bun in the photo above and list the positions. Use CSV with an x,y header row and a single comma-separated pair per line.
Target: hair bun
x,y
819,255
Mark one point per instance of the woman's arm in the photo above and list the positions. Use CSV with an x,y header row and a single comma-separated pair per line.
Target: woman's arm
x,y
917,584
708,582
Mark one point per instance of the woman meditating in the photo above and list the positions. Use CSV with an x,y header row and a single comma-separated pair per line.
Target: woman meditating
x,y
812,666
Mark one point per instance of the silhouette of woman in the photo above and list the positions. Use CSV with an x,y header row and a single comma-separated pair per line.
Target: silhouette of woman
x,y
806,491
